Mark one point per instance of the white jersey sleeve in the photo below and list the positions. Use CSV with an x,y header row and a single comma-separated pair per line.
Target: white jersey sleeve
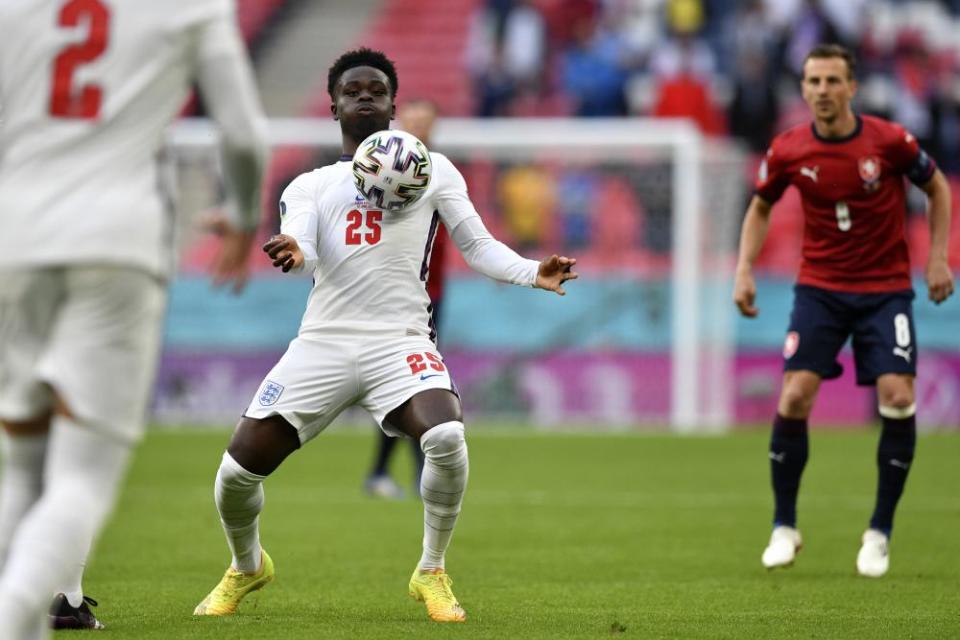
x,y
451,198
487,255
227,84
480,249
298,217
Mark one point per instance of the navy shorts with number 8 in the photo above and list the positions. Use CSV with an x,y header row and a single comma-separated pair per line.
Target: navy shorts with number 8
x,y
881,325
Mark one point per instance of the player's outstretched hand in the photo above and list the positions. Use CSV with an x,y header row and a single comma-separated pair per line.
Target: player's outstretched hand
x,y
939,280
745,293
231,264
284,251
554,271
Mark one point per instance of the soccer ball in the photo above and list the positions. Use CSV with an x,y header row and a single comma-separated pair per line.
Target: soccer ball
x,y
392,169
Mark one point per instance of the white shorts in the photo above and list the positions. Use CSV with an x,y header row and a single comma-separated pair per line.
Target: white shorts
x,y
90,334
317,378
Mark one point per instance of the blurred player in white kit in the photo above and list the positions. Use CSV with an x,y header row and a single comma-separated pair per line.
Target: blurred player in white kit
x,y
86,90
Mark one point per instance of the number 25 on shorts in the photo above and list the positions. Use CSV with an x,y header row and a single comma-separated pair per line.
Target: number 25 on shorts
x,y
417,364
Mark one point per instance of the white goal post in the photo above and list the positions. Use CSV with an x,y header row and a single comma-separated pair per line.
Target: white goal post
x,y
706,195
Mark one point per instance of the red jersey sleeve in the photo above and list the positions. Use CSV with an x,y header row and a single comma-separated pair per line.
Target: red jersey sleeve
x,y
772,176
907,157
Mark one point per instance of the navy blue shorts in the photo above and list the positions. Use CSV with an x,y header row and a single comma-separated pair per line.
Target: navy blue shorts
x,y
881,325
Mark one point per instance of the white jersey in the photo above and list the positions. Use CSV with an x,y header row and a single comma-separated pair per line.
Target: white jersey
x,y
87,88
370,267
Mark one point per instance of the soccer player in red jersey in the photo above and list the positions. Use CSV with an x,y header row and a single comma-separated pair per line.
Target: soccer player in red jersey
x,y
854,281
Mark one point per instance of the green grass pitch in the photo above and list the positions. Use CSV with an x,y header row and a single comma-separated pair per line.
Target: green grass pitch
x,y
561,536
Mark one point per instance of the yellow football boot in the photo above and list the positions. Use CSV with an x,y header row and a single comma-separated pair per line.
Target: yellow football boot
x,y
226,596
432,587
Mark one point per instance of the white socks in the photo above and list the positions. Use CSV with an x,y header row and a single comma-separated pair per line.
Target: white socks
x,y
21,483
239,497
72,587
82,474
442,484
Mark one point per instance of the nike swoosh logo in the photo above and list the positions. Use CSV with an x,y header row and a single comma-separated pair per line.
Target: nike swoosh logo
x,y
432,375
778,457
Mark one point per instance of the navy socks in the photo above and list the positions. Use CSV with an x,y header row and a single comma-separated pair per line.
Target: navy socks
x,y
898,440
788,457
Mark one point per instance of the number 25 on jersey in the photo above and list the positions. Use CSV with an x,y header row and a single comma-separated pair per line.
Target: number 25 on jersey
x,y
67,99
363,227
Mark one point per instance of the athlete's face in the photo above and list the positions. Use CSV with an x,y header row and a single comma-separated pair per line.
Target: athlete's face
x,y
827,87
364,104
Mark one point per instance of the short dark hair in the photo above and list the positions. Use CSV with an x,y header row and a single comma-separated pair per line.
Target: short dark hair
x,y
834,51
362,57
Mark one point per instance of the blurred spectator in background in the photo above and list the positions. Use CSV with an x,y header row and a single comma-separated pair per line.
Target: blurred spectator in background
x,y
577,189
684,67
593,70
751,41
527,199
506,50
810,26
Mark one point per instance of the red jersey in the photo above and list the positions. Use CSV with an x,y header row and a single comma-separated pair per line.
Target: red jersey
x,y
854,201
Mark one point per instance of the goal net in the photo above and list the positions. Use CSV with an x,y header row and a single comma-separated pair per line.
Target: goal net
x,y
644,339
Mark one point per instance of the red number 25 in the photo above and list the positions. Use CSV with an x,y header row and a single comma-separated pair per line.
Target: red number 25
x,y
415,360
356,220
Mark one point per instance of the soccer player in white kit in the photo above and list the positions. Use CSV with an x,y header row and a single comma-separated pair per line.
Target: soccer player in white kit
x,y
86,90
365,338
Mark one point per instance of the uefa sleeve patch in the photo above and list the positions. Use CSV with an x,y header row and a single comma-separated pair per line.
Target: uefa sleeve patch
x,y
270,393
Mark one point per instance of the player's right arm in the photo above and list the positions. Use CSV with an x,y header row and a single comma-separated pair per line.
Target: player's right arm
x,y
756,222
225,76
295,247
772,180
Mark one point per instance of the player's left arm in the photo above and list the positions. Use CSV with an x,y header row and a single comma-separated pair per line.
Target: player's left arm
x,y
225,75
487,255
484,253
905,152
938,275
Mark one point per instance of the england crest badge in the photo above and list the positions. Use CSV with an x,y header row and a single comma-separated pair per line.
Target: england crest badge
x,y
270,393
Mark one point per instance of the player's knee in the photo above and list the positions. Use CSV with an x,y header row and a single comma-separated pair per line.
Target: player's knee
x,y
444,443
897,400
237,489
795,402
259,446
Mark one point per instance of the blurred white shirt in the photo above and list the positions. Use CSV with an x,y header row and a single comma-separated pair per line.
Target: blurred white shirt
x,y
87,88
